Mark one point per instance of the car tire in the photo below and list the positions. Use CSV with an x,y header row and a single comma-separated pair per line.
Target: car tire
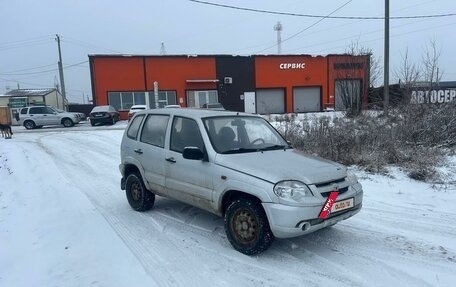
x,y
247,226
92,123
67,122
113,121
29,125
139,198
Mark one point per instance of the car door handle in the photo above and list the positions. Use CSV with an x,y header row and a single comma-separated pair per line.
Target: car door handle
x,y
170,159
138,151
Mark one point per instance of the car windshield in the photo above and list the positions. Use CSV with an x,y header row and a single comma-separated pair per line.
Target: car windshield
x,y
240,134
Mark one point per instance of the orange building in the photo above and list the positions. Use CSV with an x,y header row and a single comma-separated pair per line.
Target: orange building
x,y
262,84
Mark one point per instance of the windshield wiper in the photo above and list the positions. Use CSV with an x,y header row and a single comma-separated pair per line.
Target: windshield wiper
x,y
240,150
275,147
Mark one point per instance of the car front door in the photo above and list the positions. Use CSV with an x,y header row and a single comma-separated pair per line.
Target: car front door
x,y
187,180
51,116
150,152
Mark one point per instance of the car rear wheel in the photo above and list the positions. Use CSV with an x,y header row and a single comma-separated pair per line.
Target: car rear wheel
x,y
29,125
247,226
67,123
139,198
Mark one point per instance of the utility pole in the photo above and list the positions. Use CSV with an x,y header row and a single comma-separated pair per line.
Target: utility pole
x,y
278,27
386,61
62,81
162,49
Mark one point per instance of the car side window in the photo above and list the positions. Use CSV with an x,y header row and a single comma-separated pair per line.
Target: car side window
x,y
154,130
37,110
24,111
48,110
185,133
134,127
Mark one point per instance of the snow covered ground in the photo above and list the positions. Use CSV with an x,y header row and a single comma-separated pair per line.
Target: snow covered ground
x,y
65,222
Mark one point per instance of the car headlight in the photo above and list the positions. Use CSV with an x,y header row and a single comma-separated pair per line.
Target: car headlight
x,y
351,177
292,190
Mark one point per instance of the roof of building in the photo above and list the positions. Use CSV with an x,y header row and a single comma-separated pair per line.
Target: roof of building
x,y
28,92
447,84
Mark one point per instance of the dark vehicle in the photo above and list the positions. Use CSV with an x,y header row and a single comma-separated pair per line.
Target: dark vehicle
x,y
104,114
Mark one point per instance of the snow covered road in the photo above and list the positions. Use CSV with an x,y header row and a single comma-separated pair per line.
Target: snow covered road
x,y
65,222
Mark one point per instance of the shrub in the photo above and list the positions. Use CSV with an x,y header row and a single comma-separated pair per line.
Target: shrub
x,y
413,137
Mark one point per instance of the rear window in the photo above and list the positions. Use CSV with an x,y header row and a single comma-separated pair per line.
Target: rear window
x,y
154,130
134,127
100,109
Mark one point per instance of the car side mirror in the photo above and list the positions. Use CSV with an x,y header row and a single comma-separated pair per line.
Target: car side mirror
x,y
193,153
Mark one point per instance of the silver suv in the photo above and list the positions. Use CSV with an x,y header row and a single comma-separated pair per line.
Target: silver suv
x,y
237,166
39,116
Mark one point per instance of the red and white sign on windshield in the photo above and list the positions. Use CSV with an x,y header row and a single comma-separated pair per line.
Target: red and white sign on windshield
x,y
328,204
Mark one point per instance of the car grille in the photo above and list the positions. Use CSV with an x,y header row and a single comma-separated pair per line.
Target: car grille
x,y
325,188
341,190
330,182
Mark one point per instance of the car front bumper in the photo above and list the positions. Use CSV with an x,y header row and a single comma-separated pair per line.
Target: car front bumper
x,y
292,221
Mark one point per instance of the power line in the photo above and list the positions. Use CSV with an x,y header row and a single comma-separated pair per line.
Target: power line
x,y
28,69
26,40
310,26
25,44
44,71
353,36
322,16
85,44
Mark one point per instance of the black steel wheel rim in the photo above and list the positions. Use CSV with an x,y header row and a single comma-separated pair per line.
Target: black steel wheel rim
x,y
244,226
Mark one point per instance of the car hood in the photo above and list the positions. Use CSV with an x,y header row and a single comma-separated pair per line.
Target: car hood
x,y
278,165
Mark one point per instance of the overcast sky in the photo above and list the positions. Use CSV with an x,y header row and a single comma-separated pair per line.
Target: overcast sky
x,y
29,55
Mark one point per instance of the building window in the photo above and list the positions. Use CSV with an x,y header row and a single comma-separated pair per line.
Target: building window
x,y
124,100
197,99
164,98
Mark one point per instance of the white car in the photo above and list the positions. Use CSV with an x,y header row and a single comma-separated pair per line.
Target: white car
x,y
39,116
238,166
134,109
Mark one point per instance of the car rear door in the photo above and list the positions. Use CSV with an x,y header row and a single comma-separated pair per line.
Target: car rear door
x,y
150,152
37,115
187,180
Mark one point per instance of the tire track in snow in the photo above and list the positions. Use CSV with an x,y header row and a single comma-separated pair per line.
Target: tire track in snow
x,y
150,258
143,249
165,227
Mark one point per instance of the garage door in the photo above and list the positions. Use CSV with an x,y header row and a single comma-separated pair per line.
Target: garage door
x,y
270,101
306,99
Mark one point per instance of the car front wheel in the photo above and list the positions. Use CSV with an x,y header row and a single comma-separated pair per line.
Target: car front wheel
x,y
247,226
67,123
139,198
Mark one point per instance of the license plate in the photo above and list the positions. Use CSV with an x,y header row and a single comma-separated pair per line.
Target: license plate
x,y
98,115
342,205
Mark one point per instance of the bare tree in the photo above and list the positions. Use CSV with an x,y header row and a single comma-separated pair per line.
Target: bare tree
x,y
349,86
375,68
408,74
430,58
